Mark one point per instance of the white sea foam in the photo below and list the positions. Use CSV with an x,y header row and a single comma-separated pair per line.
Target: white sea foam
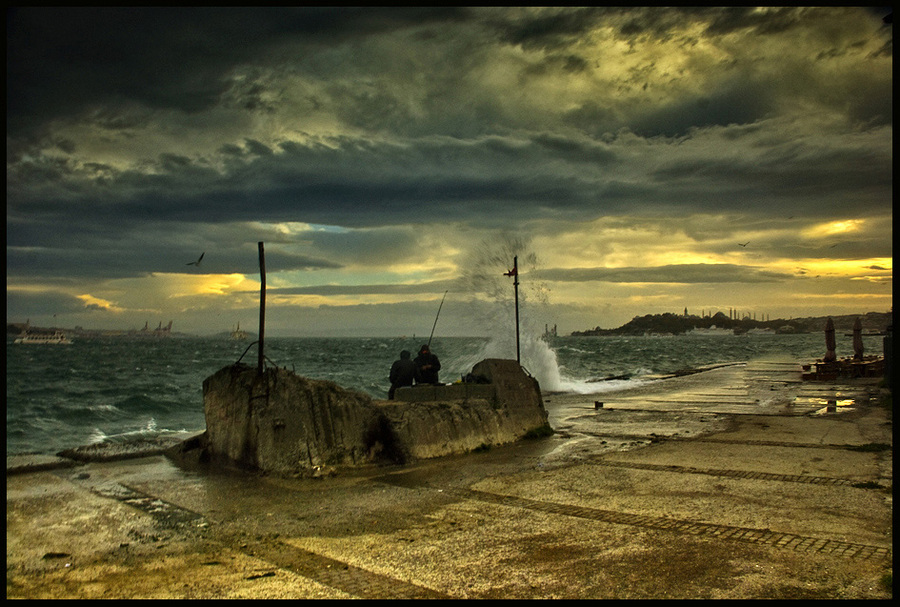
x,y
97,436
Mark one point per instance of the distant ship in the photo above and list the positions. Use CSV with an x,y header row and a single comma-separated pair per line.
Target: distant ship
x,y
55,338
761,331
239,334
160,331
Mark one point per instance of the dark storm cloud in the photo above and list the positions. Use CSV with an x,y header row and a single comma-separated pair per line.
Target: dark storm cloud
x,y
356,185
344,183
739,102
550,29
345,138
747,95
66,62
45,304
678,273
180,59
427,288
63,61
142,255
801,176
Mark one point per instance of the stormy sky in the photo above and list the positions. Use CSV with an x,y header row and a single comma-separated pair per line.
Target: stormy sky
x,y
635,160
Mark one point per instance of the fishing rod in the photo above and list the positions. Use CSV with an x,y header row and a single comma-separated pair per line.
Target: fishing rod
x,y
436,318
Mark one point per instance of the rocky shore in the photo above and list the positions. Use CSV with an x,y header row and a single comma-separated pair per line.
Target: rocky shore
x,y
737,482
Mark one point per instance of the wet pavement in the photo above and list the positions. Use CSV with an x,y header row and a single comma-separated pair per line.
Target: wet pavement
x,y
738,482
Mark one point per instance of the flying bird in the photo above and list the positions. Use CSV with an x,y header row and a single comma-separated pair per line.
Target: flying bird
x,y
197,263
743,244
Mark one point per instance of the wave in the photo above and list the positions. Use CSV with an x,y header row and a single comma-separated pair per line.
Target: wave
x,y
150,429
581,386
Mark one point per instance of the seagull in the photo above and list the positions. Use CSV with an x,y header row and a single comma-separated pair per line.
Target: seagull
x,y
197,263
743,244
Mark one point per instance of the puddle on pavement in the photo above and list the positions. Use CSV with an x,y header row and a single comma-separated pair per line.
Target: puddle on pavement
x,y
839,405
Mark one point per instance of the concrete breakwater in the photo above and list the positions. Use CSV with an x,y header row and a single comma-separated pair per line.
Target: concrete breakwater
x,y
281,423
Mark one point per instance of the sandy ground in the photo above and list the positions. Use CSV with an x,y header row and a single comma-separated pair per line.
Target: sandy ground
x,y
739,482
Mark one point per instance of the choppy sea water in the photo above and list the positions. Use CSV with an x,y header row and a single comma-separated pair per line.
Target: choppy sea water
x,y
112,389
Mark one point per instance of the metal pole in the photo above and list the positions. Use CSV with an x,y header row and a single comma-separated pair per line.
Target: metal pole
x,y
515,273
516,284
262,308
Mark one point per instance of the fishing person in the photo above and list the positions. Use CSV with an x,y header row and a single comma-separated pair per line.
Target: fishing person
x,y
427,366
403,372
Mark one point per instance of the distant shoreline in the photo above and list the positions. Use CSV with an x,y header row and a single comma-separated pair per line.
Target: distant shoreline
x,y
873,323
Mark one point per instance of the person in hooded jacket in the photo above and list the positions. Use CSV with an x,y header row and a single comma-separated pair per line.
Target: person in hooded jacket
x,y
427,366
403,372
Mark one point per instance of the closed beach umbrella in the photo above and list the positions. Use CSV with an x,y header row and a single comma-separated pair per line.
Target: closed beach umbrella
x,y
830,356
857,340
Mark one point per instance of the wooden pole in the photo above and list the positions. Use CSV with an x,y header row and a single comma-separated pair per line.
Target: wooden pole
x,y
262,308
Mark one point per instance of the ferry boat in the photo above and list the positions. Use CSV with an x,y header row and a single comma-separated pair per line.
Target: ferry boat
x,y
713,330
761,331
55,338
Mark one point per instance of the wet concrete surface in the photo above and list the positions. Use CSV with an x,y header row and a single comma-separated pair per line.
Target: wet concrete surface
x,y
738,482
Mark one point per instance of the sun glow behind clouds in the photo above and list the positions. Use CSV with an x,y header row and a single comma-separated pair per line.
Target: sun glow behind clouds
x,y
95,302
633,242
833,228
293,228
847,268
186,285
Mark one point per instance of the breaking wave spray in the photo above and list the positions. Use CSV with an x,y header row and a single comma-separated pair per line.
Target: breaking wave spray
x,y
483,276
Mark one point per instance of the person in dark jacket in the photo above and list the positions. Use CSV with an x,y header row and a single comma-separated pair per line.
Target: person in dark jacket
x,y
427,366
403,372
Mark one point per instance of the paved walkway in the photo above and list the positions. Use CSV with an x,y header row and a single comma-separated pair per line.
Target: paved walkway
x,y
738,482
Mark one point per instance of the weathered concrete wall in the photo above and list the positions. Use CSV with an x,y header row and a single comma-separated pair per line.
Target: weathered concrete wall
x,y
283,423
286,424
429,393
458,418
517,393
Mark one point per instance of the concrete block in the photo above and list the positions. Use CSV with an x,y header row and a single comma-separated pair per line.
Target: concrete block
x,y
415,394
484,391
285,424
450,392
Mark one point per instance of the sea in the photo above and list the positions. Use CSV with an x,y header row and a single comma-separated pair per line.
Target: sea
x,y
115,389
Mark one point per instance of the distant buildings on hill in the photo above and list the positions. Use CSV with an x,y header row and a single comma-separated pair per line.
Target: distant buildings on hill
x,y
677,324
